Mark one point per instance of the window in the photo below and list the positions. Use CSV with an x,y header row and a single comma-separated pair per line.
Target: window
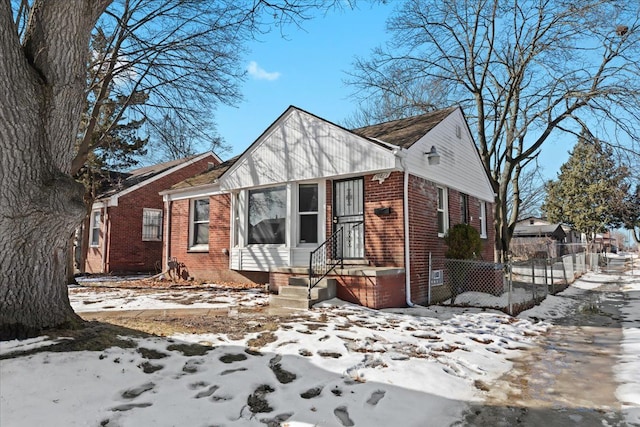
x,y
95,228
464,209
443,212
267,215
199,238
308,212
151,224
483,219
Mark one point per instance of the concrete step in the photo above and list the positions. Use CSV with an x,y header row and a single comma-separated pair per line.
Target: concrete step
x,y
288,302
299,281
295,295
317,293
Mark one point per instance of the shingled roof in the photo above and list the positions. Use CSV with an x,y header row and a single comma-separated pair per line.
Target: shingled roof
x,y
208,177
404,132
120,181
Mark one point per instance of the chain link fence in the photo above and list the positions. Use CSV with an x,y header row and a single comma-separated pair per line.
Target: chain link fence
x,y
511,287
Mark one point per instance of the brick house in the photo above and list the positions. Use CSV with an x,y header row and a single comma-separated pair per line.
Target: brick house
x,y
380,198
126,220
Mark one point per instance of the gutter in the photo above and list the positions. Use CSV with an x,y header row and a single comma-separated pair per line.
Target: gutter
x,y
401,155
105,236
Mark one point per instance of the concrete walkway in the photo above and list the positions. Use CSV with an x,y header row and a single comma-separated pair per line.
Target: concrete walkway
x,y
567,380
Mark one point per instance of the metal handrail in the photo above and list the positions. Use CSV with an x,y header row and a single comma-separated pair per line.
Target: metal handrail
x,y
325,258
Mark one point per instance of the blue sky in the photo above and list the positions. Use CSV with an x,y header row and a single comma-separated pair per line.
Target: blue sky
x,y
308,68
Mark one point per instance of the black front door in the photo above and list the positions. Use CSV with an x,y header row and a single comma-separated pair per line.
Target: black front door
x,y
348,215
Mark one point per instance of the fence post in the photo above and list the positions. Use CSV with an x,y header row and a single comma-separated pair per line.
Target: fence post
x,y
533,279
546,277
564,272
553,282
510,279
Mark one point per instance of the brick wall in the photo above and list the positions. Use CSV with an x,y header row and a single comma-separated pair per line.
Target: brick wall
x,y
127,252
423,231
212,265
384,234
381,291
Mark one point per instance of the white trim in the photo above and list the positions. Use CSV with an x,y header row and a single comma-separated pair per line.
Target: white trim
x,y
113,200
92,243
151,239
167,235
445,209
191,247
297,214
483,219
193,192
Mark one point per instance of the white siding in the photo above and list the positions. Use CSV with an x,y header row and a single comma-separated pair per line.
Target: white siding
x,y
301,147
460,166
260,257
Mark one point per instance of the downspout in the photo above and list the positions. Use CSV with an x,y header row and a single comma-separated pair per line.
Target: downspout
x,y
105,237
401,154
407,254
167,232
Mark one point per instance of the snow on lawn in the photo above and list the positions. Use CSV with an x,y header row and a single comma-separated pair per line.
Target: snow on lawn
x,y
344,365
85,299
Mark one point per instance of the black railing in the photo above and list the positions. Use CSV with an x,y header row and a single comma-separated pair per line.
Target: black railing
x,y
325,258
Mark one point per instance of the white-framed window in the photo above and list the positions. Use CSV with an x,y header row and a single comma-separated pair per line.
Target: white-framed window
x,y
95,224
483,219
151,224
199,226
464,209
308,213
443,211
267,215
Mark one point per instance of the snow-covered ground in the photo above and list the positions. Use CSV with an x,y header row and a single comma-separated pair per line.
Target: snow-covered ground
x,y
89,298
343,365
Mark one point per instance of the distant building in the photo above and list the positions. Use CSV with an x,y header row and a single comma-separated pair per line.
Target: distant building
x,y
535,237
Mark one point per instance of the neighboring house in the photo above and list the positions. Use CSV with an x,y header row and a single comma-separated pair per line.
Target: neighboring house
x,y
393,189
125,223
535,237
537,241
605,242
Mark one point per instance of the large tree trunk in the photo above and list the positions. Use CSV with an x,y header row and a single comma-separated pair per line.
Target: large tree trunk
x,y
40,204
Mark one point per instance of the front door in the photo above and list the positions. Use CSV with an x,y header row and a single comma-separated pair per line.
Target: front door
x,y
348,215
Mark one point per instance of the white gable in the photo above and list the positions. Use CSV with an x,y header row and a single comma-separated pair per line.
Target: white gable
x,y
460,166
300,146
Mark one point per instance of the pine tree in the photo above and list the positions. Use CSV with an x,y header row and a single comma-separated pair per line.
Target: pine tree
x,y
589,190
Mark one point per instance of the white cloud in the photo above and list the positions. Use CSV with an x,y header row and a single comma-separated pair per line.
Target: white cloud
x,y
260,73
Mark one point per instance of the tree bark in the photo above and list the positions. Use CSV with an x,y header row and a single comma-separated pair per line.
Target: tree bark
x,y
40,203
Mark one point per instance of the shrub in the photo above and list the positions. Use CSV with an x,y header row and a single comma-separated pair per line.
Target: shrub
x,y
463,242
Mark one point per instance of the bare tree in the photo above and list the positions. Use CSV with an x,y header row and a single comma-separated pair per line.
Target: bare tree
x,y
172,139
44,52
522,70
531,192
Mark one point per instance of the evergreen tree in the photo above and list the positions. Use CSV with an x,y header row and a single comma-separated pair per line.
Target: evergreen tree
x,y
589,190
631,213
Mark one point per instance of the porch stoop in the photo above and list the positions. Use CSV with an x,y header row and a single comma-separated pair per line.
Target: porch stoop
x,y
295,294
